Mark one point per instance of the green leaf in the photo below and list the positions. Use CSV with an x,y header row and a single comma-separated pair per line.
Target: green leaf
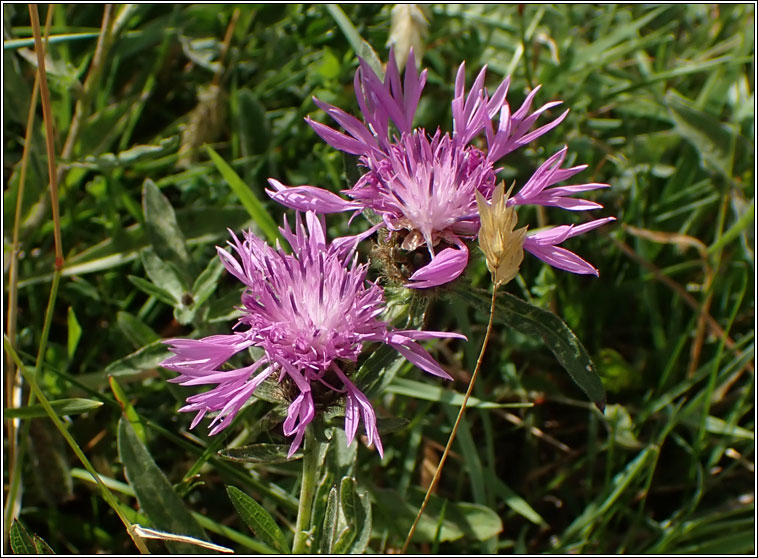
x,y
260,453
144,358
62,407
461,519
153,290
431,392
387,425
329,528
154,493
516,502
134,329
744,221
356,509
137,154
360,46
718,426
74,332
258,519
207,281
622,426
127,409
164,274
253,126
531,320
375,374
245,194
162,228
23,543
733,543
583,524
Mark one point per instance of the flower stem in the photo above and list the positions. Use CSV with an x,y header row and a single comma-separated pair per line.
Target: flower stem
x,y
438,472
311,461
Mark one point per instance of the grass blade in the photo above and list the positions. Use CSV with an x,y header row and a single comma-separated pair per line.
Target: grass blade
x,y
249,201
62,407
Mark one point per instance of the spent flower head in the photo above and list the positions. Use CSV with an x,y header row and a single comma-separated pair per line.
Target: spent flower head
x,y
503,246
425,186
310,312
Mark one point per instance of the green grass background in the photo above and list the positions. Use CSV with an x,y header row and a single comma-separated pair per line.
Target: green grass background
x,y
662,108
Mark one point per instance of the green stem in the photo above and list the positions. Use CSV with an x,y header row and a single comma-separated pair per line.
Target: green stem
x,y
18,457
445,453
311,461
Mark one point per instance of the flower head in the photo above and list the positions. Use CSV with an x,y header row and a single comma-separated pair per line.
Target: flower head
x,y
425,186
310,312
503,247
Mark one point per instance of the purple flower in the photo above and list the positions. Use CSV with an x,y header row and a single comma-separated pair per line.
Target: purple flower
x,y
310,312
424,186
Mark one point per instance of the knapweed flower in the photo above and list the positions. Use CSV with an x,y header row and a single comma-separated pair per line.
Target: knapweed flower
x,y
310,312
424,186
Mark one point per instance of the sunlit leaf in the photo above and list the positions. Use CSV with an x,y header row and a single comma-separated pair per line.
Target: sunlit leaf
x,y
62,407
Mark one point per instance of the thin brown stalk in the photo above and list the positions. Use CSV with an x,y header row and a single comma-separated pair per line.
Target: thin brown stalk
x,y
12,379
47,114
108,32
225,45
11,374
438,472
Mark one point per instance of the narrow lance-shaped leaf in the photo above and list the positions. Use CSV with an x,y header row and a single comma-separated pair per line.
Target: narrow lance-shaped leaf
x,y
360,519
162,228
62,407
258,519
127,409
532,320
154,493
329,528
74,332
714,141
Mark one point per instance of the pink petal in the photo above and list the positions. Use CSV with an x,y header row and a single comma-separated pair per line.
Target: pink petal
x,y
309,198
418,356
338,140
444,267
560,258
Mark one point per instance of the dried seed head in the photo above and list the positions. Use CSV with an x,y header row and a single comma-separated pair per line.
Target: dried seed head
x,y
503,246
408,29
